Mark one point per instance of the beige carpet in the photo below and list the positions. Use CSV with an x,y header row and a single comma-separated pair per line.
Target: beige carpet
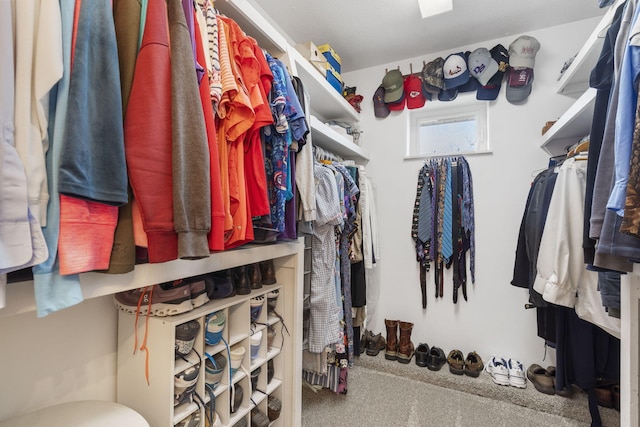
x,y
386,393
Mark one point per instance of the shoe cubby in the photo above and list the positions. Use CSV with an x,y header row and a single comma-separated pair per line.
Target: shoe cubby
x,y
149,357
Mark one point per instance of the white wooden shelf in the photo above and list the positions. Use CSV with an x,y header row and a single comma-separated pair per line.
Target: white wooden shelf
x,y
332,141
20,298
254,24
575,80
572,125
325,101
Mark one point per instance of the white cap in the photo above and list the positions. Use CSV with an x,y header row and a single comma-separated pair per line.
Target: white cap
x,y
522,52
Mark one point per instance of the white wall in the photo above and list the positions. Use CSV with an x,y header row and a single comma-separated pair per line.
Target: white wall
x,y
493,320
66,356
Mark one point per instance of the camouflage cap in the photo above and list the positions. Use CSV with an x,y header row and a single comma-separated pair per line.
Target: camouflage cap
x,y
433,76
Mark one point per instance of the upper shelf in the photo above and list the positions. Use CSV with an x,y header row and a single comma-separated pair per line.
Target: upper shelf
x,y
574,124
254,24
575,80
332,141
20,298
325,101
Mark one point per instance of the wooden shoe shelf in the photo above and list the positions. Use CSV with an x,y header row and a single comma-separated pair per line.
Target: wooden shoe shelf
x,y
155,399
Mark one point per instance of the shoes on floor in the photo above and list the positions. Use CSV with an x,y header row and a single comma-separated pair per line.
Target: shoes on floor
x,y
604,396
375,344
615,390
405,346
436,359
540,379
567,391
422,354
473,365
185,337
455,359
517,377
498,370
364,341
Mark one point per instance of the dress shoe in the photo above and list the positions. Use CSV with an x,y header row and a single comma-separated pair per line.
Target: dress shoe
x,y
473,365
604,397
567,391
540,379
422,353
375,344
436,359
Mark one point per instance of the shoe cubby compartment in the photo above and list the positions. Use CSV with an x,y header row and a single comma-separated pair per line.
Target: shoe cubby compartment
x,y
245,405
238,320
276,379
277,422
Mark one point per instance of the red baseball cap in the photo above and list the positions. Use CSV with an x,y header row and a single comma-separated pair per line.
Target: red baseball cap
x,y
413,92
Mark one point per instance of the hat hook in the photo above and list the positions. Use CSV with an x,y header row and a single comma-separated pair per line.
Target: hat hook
x,y
410,68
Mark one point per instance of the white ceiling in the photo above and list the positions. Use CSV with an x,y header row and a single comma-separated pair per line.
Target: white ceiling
x,y
373,32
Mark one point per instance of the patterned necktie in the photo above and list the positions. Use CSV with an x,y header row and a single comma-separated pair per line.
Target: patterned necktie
x,y
447,216
425,218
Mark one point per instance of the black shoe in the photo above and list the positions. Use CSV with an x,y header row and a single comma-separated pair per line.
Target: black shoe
x,y
375,344
268,272
436,359
255,277
422,353
241,280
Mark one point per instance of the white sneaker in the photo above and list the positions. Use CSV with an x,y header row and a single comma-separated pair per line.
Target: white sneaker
x,y
497,368
517,377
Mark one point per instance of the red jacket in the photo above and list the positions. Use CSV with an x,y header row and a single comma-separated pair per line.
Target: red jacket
x,y
148,136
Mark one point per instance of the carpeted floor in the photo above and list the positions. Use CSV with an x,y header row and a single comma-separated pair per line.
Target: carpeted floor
x,y
385,393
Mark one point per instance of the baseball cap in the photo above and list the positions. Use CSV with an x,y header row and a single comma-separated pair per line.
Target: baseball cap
x,y
455,71
519,82
481,65
432,75
397,106
393,84
380,109
413,92
522,51
490,91
448,94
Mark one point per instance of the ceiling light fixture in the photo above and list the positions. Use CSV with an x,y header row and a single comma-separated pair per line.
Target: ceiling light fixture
x,y
434,7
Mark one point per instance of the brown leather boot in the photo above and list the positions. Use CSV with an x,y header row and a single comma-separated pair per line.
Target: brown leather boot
x,y
405,347
391,350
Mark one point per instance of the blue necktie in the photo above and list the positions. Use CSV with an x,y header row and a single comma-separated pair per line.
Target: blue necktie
x,y
447,217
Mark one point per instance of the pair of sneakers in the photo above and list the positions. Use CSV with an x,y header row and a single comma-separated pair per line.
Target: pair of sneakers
x,y
507,372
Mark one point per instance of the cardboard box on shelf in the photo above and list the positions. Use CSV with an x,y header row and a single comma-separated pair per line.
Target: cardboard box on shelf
x,y
321,66
332,57
334,80
310,52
